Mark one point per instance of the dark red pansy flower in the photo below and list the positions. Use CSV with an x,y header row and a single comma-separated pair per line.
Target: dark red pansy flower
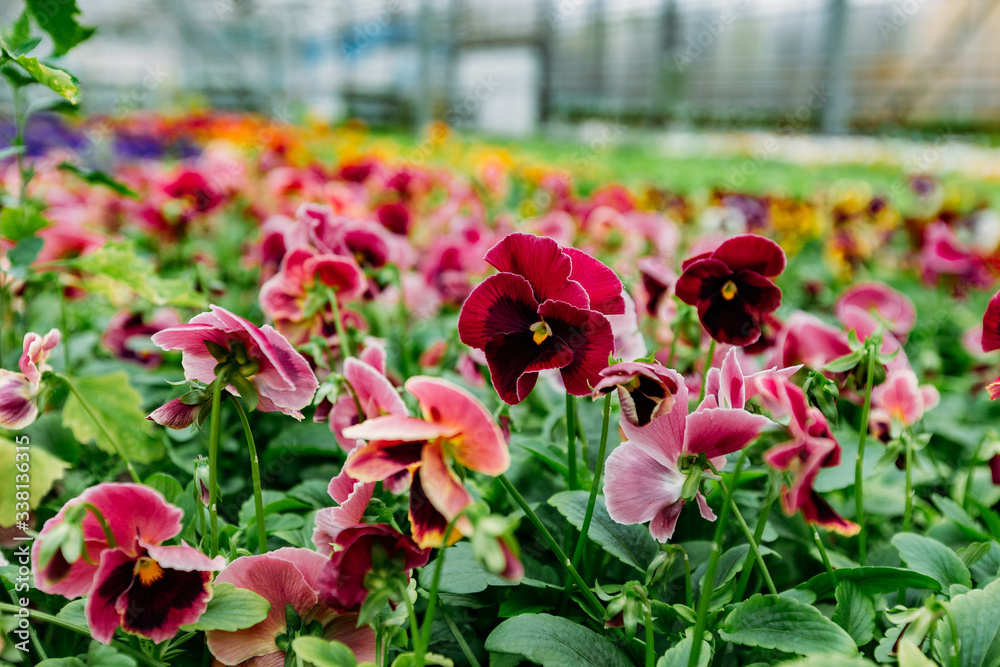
x,y
342,582
991,337
544,310
731,287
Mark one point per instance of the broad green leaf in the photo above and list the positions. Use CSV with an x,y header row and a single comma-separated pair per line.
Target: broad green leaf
x,y
96,177
975,552
43,471
553,641
871,580
58,80
988,566
633,545
828,661
116,405
410,660
22,255
62,662
59,20
323,653
855,612
772,621
165,484
18,223
934,559
74,612
117,272
462,573
231,609
679,655
956,513
977,617
107,656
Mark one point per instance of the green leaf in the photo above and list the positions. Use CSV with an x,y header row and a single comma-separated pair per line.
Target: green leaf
x,y
107,656
96,177
956,513
58,80
117,272
871,580
17,223
934,559
43,471
828,661
323,653
231,609
632,545
117,406
23,254
855,612
74,612
977,617
165,484
59,20
62,662
410,660
910,655
772,621
553,641
20,30
679,655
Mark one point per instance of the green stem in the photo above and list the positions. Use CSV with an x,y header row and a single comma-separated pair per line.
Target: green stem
x,y
688,587
824,555
213,464
705,594
908,508
345,344
464,645
85,404
967,496
859,464
109,535
79,629
755,549
570,442
597,610
647,609
63,322
709,358
425,630
258,497
598,471
758,533
417,638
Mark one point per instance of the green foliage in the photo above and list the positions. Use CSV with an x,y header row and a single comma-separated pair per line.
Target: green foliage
x,y
42,472
553,641
631,545
785,624
977,619
932,558
231,609
58,18
855,613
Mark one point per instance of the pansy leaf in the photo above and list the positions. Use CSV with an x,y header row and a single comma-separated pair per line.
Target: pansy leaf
x,y
976,616
632,545
772,621
45,469
932,558
680,655
554,641
59,20
871,580
855,612
231,609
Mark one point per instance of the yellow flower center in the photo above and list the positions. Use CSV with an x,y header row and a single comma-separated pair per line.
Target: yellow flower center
x,y
540,331
729,290
148,571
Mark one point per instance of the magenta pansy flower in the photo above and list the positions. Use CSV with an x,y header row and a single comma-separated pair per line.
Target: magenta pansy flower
x,y
352,498
137,584
128,335
374,393
645,390
456,429
545,310
891,308
732,287
646,473
19,391
284,577
991,337
902,399
282,377
811,448
303,270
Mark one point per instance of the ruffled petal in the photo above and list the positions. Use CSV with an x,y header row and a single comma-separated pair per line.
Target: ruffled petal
x,y
543,263
603,286
514,360
752,253
638,488
718,432
501,304
588,335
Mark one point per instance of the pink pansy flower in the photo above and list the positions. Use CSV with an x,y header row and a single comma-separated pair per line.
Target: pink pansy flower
x,y
352,498
139,585
942,253
646,474
284,577
128,335
991,337
281,376
812,448
374,394
19,391
544,310
888,306
806,339
729,387
901,399
645,391
456,428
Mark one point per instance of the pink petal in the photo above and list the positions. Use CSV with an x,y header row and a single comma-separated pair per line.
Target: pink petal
x,y
442,486
174,414
479,444
184,558
18,396
360,640
663,524
111,581
638,488
330,521
718,432
374,391
663,437
382,458
401,428
732,387
894,308
134,513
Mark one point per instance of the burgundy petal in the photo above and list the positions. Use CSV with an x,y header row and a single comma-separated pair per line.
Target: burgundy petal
x,y
752,252
702,280
588,334
991,325
763,295
731,321
543,263
501,304
510,356
601,283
